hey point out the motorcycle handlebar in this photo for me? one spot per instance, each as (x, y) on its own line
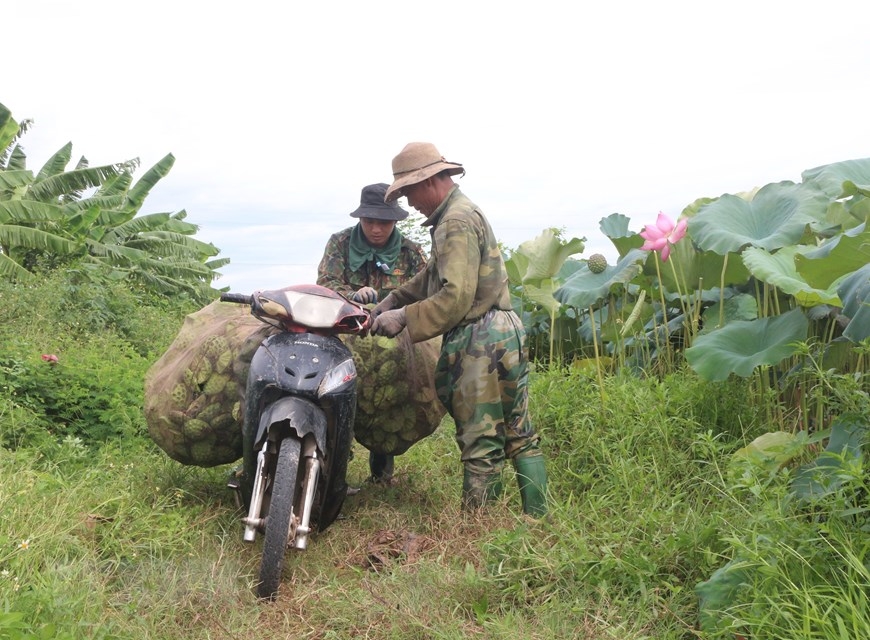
(239, 298)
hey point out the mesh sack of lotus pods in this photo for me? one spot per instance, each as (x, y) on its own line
(396, 401)
(194, 393)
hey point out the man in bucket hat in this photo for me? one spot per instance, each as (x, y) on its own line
(367, 261)
(462, 294)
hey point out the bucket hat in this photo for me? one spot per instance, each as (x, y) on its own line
(372, 204)
(416, 162)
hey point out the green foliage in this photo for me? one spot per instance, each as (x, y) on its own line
(776, 216)
(855, 294)
(649, 497)
(535, 270)
(799, 561)
(104, 339)
(742, 347)
(81, 395)
(413, 230)
(681, 505)
(87, 218)
(789, 248)
(92, 543)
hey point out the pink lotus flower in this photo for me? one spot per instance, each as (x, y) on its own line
(663, 234)
(49, 357)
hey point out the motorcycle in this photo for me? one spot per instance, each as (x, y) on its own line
(299, 409)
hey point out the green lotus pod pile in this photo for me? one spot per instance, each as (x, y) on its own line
(194, 393)
(396, 400)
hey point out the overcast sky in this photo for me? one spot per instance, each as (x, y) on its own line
(562, 112)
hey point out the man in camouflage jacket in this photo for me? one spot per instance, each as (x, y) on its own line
(462, 294)
(366, 262)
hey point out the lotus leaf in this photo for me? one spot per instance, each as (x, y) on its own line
(836, 257)
(776, 217)
(584, 288)
(854, 291)
(778, 269)
(739, 347)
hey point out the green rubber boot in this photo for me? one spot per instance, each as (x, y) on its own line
(532, 479)
(479, 488)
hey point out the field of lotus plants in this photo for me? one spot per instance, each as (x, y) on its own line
(772, 286)
(733, 285)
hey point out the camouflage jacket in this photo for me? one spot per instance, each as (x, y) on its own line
(334, 271)
(465, 276)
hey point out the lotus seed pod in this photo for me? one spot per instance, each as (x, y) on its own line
(203, 453)
(216, 345)
(233, 391)
(386, 397)
(388, 372)
(180, 395)
(201, 371)
(225, 455)
(215, 384)
(209, 412)
(597, 263)
(223, 421)
(223, 361)
(183, 340)
(199, 403)
(195, 429)
(408, 417)
(385, 343)
(189, 379)
(176, 417)
(390, 443)
(392, 425)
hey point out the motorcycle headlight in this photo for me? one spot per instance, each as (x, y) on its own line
(343, 374)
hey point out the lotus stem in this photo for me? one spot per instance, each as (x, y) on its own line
(664, 310)
(597, 356)
(722, 292)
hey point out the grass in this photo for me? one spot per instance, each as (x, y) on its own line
(106, 537)
(124, 542)
(130, 544)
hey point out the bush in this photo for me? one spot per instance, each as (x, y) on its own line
(103, 339)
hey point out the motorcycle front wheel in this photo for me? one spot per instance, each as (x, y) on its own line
(278, 520)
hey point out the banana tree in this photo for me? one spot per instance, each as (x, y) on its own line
(24, 225)
(91, 216)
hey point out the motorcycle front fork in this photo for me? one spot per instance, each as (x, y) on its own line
(255, 521)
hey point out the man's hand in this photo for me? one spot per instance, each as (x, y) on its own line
(386, 304)
(366, 295)
(389, 323)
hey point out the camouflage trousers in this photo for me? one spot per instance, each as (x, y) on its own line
(482, 378)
